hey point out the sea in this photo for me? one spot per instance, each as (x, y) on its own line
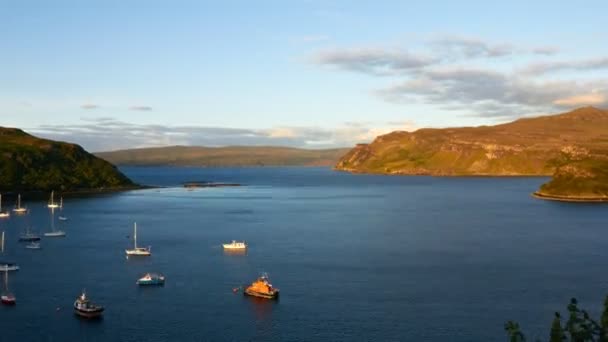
(356, 258)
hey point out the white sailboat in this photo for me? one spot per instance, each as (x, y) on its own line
(18, 209)
(138, 251)
(61, 217)
(52, 203)
(53, 232)
(3, 214)
(7, 297)
(6, 266)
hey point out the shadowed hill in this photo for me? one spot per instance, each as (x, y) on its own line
(28, 163)
(224, 156)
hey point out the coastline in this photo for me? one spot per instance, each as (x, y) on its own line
(573, 199)
(43, 194)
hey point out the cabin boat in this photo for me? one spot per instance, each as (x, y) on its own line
(151, 279)
(33, 245)
(84, 308)
(235, 245)
(3, 214)
(7, 298)
(19, 209)
(138, 251)
(262, 288)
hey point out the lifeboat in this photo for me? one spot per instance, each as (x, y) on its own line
(262, 288)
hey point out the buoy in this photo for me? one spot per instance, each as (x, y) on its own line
(236, 289)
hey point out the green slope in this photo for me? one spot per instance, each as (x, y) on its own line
(28, 163)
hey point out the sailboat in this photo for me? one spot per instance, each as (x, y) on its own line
(53, 232)
(3, 214)
(18, 209)
(7, 266)
(52, 203)
(7, 297)
(29, 236)
(138, 251)
(61, 217)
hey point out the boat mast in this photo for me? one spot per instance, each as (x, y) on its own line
(19, 201)
(135, 235)
(2, 241)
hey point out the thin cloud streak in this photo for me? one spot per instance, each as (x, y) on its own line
(140, 108)
(105, 134)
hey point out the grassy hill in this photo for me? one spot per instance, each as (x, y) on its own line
(533, 146)
(224, 156)
(28, 163)
(579, 180)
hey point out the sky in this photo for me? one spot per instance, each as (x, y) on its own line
(314, 74)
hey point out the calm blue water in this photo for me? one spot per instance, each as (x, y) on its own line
(357, 258)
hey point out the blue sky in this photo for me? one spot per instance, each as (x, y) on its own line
(118, 74)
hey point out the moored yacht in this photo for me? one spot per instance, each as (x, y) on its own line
(84, 308)
(29, 236)
(19, 209)
(7, 297)
(3, 214)
(151, 279)
(33, 245)
(6, 266)
(235, 245)
(138, 251)
(52, 203)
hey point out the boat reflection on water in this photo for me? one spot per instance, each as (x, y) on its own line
(261, 311)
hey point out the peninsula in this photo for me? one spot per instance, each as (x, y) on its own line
(31, 164)
(572, 145)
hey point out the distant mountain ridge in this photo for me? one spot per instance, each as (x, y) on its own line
(531, 146)
(28, 163)
(224, 156)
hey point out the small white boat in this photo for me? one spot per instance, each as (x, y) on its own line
(138, 251)
(62, 218)
(235, 245)
(52, 203)
(3, 214)
(18, 209)
(33, 245)
(55, 233)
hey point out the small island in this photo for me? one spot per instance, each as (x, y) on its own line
(205, 184)
(584, 180)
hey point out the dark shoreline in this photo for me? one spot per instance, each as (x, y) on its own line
(572, 199)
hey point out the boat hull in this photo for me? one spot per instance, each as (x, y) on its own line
(273, 295)
(150, 282)
(55, 234)
(6, 300)
(134, 253)
(29, 239)
(97, 313)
